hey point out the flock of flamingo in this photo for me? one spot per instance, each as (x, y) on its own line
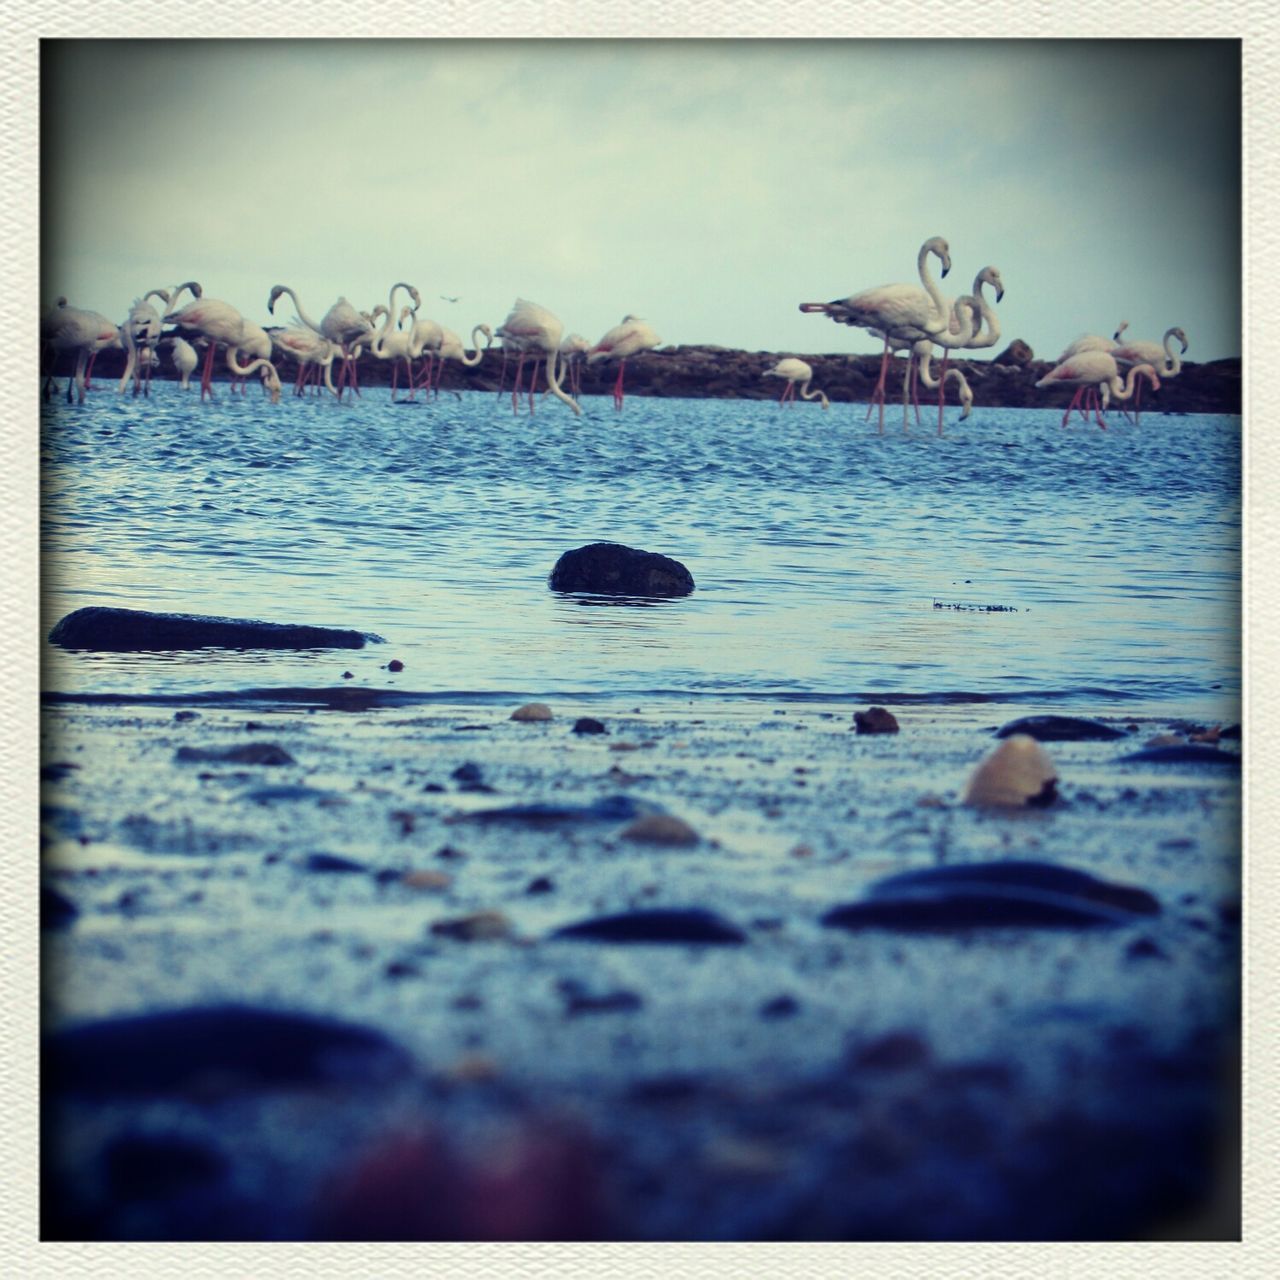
(910, 317)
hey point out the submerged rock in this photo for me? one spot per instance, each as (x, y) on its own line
(978, 895)
(1060, 729)
(610, 568)
(588, 724)
(138, 630)
(480, 926)
(332, 863)
(661, 828)
(658, 924)
(230, 1046)
(1018, 772)
(56, 910)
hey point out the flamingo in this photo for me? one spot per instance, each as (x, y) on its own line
(270, 378)
(795, 371)
(573, 351)
(1092, 370)
(964, 331)
(342, 324)
(141, 332)
(925, 367)
(906, 312)
(393, 344)
(629, 338)
(86, 333)
(309, 349)
(1168, 362)
(532, 329)
(1093, 342)
(219, 322)
(451, 348)
(184, 360)
(49, 322)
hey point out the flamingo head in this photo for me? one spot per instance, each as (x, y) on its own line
(966, 399)
(991, 276)
(1182, 338)
(276, 291)
(941, 250)
(271, 382)
(1120, 328)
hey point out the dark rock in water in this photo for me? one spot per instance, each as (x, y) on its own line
(875, 720)
(1060, 729)
(607, 809)
(222, 1046)
(1012, 893)
(780, 1007)
(658, 924)
(331, 862)
(578, 1000)
(56, 910)
(1232, 731)
(1185, 753)
(142, 1166)
(288, 794)
(138, 630)
(585, 724)
(251, 753)
(540, 884)
(609, 568)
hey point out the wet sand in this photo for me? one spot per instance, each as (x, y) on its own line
(807, 1083)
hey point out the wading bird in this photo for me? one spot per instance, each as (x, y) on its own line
(531, 329)
(1094, 370)
(218, 322)
(629, 338)
(1167, 362)
(904, 313)
(184, 360)
(795, 372)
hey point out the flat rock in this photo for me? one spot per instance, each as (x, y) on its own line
(1185, 753)
(332, 863)
(661, 828)
(658, 924)
(532, 712)
(114, 630)
(230, 1046)
(248, 753)
(616, 808)
(1060, 729)
(875, 720)
(978, 895)
(609, 568)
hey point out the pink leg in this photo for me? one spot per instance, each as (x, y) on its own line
(617, 386)
(206, 374)
(502, 372)
(533, 386)
(877, 396)
(439, 376)
(88, 373)
(1075, 400)
(1137, 404)
(942, 388)
(515, 390)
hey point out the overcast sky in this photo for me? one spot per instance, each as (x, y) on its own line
(707, 186)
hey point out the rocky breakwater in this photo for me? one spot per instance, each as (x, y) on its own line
(114, 630)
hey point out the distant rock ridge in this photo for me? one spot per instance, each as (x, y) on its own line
(707, 371)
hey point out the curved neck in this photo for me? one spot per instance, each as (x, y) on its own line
(302, 315)
(988, 318)
(1173, 359)
(472, 361)
(806, 394)
(931, 286)
(1119, 392)
(171, 298)
(554, 382)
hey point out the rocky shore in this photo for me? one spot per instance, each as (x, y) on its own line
(699, 371)
(336, 965)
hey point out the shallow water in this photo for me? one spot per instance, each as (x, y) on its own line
(821, 550)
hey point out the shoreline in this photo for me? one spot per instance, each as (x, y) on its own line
(808, 1084)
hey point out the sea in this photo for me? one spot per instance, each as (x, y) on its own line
(1010, 559)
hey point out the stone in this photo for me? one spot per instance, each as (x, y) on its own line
(1012, 893)
(585, 724)
(658, 924)
(1187, 753)
(875, 720)
(610, 568)
(481, 926)
(1017, 353)
(332, 863)
(56, 910)
(661, 828)
(1017, 773)
(266, 753)
(232, 1046)
(532, 712)
(106, 629)
(1060, 729)
(615, 808)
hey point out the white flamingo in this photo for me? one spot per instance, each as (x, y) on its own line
(924, 363)
(451, 348)
(86, 333)
(1167, 362)
(1093, 342)
(311, 351)
(533, 330)
(1093, 370)
(629, 338)
(140, 333)
(905, 312)
(184, 360)
(573, 354)
(267, 371)
(394, 344)
(797, 374)
(218, 322)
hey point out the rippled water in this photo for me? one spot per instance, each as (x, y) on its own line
(820, 548)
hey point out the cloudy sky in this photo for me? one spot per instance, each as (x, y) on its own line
(708, 186)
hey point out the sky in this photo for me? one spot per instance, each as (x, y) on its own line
(709, 187)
